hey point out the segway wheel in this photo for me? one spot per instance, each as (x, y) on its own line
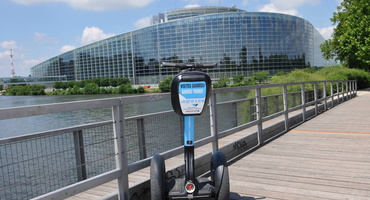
(220, 176)
(157, 178)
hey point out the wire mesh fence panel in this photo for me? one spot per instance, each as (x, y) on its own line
(227, 116)
(99, 150)
(32, 167)
(35, 166)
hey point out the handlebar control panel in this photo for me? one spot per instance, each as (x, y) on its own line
(190, 89)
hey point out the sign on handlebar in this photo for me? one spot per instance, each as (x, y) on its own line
(190, 89)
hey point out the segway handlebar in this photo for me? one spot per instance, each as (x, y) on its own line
(188, 65)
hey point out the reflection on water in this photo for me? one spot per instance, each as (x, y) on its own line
(35, 124)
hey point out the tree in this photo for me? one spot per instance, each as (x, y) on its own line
(238, 78)
(261, 76)
(351, 37)
(221, 83)
(165, 85)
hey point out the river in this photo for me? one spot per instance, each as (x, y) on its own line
(35, 124)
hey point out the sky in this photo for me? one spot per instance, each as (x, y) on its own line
(37, 30)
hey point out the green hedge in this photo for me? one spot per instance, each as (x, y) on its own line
(23, 90)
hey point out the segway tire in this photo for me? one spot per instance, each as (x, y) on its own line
(157, 178)
(220, 176)
(224, 192)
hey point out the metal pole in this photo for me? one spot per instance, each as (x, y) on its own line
(286, 107)
(303, 96)
(338, 93)
(213, 122)
(342, 91)
(141, 138)
(259, 115)
(332, 94)
(324, 94)
(315, 95)
(121, 151)
(80, 155)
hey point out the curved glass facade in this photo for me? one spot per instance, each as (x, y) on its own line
(240, 42)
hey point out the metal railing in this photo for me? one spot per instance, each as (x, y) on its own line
(56, 164)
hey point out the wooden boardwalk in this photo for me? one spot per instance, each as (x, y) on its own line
(328, 157)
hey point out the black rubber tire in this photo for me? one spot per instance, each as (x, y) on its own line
(157, 178)
(224, 192)
(220, 176)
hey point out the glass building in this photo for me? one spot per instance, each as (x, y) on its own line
(240, 42)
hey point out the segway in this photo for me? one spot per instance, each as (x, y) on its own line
(190, 91)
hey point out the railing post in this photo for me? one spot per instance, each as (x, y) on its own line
(213, 122)
(346, 90)
(338, 93)
(332, 94)
(286, 107)
(121, 151)
(80, 155)
(303, 96)
(259, 115)
(324, 95)
(342, 91)
(141, 138)
(315, 96)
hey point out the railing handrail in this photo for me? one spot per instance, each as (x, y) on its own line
(17, 112)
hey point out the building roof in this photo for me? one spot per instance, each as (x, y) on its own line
(196, 11)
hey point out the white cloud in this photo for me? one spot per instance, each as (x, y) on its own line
(93, 34)
(21, 66)
(292, 4)
(33, 62)
(326, 32)
(97, 5)
(66, 48)
(245, 2)
(192, 6)
(271, 8)
(9, 45)
(43, 38)
(5, 54)
(143, 22)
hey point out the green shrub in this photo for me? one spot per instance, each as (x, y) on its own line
(165, 85)
(141, 90)
(343, 73)
(22, 90)
(238, 79)
(221, 83)
(91, 88)
(74, 90)
(261, 76)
